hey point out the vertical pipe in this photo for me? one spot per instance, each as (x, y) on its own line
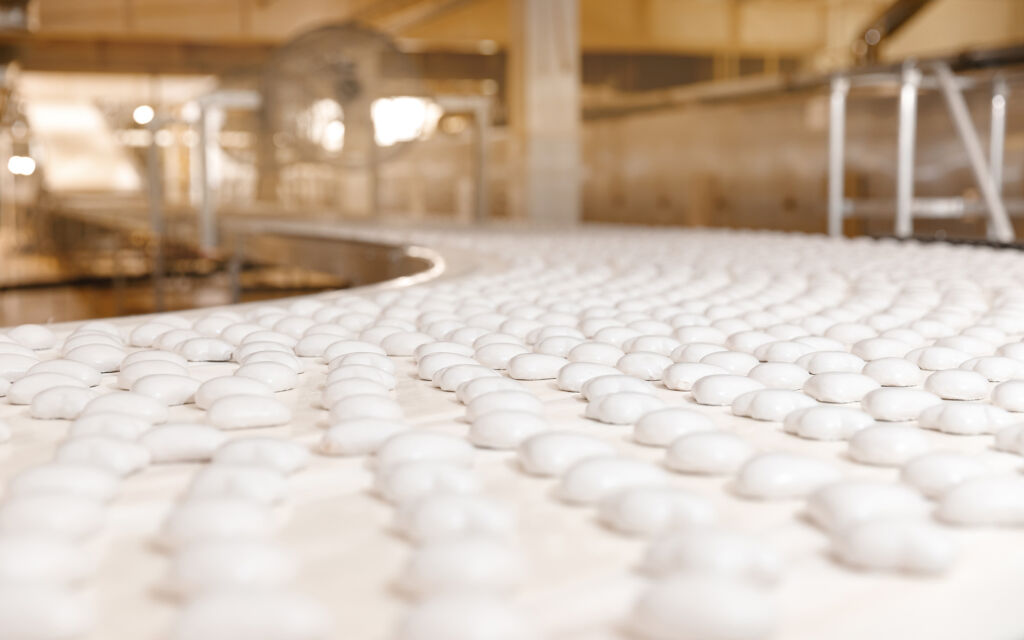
(482, 116)
(154, 177)
(836, 143)
(8, 207)
(999, 226)
(905, 152)
(374, 172)
(235, 268)
(997, 132)
(206, 190)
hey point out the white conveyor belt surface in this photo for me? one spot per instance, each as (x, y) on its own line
(673, 297)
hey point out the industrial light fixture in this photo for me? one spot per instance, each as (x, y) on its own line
(403, 118)
(21, 165)
(143, 114)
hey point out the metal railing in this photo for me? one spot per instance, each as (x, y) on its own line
(911, 78)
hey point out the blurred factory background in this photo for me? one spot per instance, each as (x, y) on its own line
(154, 148)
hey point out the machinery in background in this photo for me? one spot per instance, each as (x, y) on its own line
(987, 169)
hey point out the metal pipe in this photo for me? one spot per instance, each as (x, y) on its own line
(997, 132)
(758, 87)
(235, 268)
(482, 117)
(211, 118)
(207, 237)
(888, 22)
(155, 193)
(999, 227)
(836, 152)
(905, 152)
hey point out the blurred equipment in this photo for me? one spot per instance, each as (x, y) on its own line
(342, 94)
(888, 22)
(911, 77)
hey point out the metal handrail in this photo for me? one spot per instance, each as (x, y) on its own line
(769, 86)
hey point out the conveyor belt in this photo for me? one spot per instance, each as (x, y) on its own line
(582, 577)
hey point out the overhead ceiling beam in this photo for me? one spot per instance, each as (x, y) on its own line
(131, 55)
(394, 16)
(889, 21)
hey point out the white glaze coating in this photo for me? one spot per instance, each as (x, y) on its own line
(893, 372)
(780, 476)
(360, 436)
(933, 474)
(182, 442)
(683, 375)
(912, 545)
(207, 518)
(695, 607)
(424, 445)
(771, 405)
(661, 427)
(473, 564)
(465, 616)
(240, 565)
(713, 550)
(44, 611)
(593, 479)
(409, 481)
(888, 445)
(505, 429)
(961, 418)
(622, 407)
(653, 510)
(826, 422)
(259, 484)
(953, 384)
(116, 455)
(722, 389)
(246, 614)
(840, 387)
(247, 412)
(553, 453)
(281, 455)
(984, 501)
(836, 507)
(74, 479)
(1007, 395)
(708, 453)
(897, 404)
(130, 403)
(445, 515)
(60, 403)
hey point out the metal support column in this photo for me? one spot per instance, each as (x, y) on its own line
(997, 132)
(235, 264)
(207, 220)
(905, 152)
(211, 118)
(482, 119)
(155, 192)
(836, 151)
(544, 111)
(999, 227)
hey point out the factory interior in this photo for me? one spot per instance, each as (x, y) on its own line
(149, 125)
(729, 295)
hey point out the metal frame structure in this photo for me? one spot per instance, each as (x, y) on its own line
(988, 171)
(480, 108)
(206, 202)
(211, 107)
